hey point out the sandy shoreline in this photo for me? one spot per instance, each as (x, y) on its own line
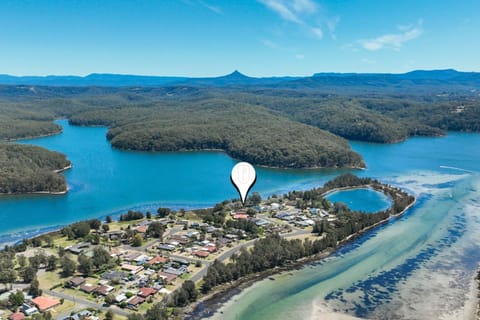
(213, 302)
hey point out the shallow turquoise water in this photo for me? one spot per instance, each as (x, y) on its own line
(366, 200)
(419, 266)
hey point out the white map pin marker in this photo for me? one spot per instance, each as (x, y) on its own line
(243, 177)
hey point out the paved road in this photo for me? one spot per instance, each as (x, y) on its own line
(86, 303)
(227, 254)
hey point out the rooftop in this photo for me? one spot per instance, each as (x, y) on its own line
(44, 303)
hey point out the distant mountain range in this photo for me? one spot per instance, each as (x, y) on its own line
(235, 79)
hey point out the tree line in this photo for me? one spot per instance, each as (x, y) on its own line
(26, 168)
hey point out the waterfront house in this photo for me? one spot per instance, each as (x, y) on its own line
(78, 248)
(141, 229)
(240, 216)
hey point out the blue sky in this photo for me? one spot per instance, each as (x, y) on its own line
(259, 38)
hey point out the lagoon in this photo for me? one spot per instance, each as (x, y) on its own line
(364, 199)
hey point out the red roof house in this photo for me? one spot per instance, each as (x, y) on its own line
(16, 316)
(146, 292)
(45, 303)
(211, 249)
(201, 254)
(157, 260)
(241, 216)
(142, 229)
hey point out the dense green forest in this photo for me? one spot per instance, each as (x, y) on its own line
(25, 168)
(298, 124)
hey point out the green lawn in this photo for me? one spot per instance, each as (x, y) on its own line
(63, 308)
(49, 279)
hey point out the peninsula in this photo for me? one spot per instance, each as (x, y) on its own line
(31, 169)
(151, 266)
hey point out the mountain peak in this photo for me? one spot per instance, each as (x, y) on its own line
(236, 74)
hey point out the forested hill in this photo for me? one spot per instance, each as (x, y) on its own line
(279, 122)
(29, 169)
(245, 132)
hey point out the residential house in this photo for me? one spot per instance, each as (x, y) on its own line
(84, 314)
(167, 278)
(104, 290)
(240, 216)
(78, 248)
(141, 229)
(146, 292)
(131, 256)
(75, 282)
(88, 287)
(167, 247)
(180, 261)
(131, 268)
(157, 260)
(121, 297)
(201, 254)
(114, 275)
(16, 316)
(45, 303)
(133, 302)
(28, 310)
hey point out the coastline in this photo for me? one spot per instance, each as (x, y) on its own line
(211, 303)
(44, 192)
(34, 137)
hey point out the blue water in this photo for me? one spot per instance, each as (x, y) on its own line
(418, 266)
(366, 200)
(105, 181)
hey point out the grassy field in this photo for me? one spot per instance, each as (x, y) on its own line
(49, 279)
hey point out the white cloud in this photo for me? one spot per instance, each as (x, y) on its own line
(332, 25)
(304, 13)
(393, 40)
(210, 7)
(305, 6)
(299, 56)
(317, 32)
(283, 10)
(291, 10)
